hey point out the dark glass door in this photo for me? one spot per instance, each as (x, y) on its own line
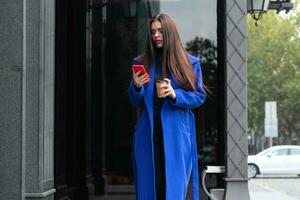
(118, 32)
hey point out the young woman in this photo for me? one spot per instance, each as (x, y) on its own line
(164, 147)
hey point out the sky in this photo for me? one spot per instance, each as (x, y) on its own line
(295, 9)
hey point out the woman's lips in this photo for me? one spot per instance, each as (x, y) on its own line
(157, 41)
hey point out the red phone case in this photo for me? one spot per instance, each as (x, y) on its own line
(137, 68)
(141, 68)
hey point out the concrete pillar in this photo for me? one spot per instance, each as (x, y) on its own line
(236, 100)
(27, 99)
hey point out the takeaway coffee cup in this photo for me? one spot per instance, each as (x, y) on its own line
(159, 85)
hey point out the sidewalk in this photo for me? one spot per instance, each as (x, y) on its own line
(115, 197)
(259, 192)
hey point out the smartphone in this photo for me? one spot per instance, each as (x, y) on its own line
(137, 68)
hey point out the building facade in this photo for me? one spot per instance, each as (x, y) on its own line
(66, 123)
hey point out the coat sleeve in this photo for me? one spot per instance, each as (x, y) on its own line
(191, 99)
(135, 97)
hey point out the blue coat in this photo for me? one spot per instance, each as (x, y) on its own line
(179, 138)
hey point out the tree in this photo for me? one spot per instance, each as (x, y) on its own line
(274, 71)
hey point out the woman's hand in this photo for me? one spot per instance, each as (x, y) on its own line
(168, 90)
(139, 80)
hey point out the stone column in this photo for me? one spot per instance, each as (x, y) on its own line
(236, 100)
(12, 90)
(27, 99)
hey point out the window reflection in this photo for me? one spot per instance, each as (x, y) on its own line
(124, 29)
(193, 18)
(197, 25)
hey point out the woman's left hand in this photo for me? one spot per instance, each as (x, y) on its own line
(168, 90)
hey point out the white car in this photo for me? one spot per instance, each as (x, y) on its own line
(281, 159)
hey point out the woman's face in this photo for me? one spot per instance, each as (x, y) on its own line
(157, 34)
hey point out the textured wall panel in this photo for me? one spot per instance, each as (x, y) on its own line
(236, 89)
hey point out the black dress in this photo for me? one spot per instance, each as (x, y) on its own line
(159, 157)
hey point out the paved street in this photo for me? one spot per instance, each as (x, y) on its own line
(275, 188)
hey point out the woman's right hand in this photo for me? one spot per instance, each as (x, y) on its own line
(139, 80)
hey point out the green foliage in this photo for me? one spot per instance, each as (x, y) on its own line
(274, 71)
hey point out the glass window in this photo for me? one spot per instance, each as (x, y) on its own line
(120, 37)
(295, 152)
(193, 18)
(196, 22)
(280, 152)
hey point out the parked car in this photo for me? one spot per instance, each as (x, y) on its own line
(281, 159)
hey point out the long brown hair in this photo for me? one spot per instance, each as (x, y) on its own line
(174, 58)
